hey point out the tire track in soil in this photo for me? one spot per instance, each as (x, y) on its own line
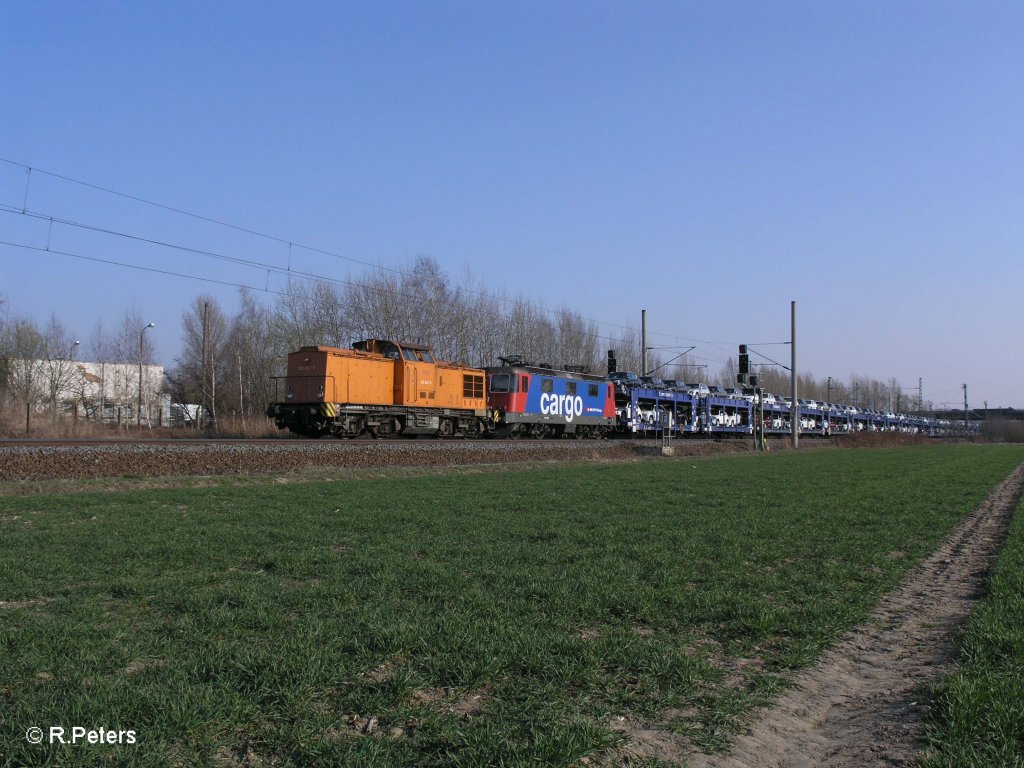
(858, 706)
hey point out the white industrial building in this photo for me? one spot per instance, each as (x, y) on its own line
(94, 391)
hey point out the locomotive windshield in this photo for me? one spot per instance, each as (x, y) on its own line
(418, 355)
(503, 382)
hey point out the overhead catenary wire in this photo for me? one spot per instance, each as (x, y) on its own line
(183, 212)
(773, 362)
(283, 241)
(138, 267)
(262, 266)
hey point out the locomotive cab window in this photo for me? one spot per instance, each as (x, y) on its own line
(592, 390)
(410, 354)
(526, 383)
(503, 382)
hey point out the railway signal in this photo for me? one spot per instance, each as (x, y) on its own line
(745, 377)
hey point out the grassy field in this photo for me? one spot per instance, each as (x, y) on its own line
(453, 619)
(977, 718)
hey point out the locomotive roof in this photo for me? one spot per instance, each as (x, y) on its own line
(545, 372)
(403, 344)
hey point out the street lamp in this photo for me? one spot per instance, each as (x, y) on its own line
(138, 412)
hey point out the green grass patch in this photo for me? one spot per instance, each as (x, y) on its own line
(464, 619)
(977, 715)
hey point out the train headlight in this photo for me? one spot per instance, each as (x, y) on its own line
(290, 394)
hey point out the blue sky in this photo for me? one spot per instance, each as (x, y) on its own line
(709, 162)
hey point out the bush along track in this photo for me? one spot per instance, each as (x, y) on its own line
(863, 703)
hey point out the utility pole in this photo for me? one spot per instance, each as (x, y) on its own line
(830, 389)
(794, 406)
(138, 410)
(920, 397)
(967, 414)
(203, 390)
(643, 342)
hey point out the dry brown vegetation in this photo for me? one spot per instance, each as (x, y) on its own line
(1003, 431)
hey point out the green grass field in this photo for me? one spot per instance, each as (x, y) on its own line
(977, 716)
(452, 619)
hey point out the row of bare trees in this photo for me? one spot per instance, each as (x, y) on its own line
(461, 321)
(229, 363)
(35, 364)
(861, 391)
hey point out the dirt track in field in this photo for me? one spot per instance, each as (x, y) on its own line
(858, 706)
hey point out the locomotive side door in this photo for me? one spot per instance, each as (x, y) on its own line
(416, 377)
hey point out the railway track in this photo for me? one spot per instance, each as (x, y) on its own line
(270, 441)
(33, 460)
(29, 460)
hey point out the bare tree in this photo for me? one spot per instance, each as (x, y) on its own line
(727, 374)
(577, 340)
(123, 343)
(255, 353)
(59, 353)
(203, 361)
(101, 344)
(314, 313)
(23, 355)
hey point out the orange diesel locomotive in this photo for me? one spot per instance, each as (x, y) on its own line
(379, 388)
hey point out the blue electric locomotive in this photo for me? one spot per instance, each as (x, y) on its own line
(534, 401)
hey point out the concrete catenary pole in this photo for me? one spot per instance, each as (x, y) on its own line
(643, 342)
(794, 406)
(138, 410)
(967, 414)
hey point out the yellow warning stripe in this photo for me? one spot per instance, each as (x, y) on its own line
(329, 409)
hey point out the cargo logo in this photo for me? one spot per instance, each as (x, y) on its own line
(561, 405)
